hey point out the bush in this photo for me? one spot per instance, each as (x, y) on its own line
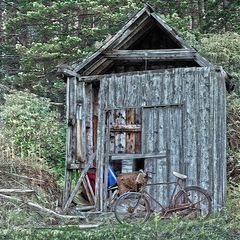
(223, 50)
(32, 127)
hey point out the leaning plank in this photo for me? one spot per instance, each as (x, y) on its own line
(87, 191)
(11, 191)
(37, 207)
(90, 188)
(75, 190)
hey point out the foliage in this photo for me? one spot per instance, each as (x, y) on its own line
(31, 126)
(47, 34)
(223, 49)
(233, 137)
(220, 18)
(40, 35)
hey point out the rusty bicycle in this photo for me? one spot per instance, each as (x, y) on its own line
(186, 201)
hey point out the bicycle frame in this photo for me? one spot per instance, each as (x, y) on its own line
(168, 208)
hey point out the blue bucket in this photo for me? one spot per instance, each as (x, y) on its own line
(112, 179)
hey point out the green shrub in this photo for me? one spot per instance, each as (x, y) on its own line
(223, 50)
(32, 127)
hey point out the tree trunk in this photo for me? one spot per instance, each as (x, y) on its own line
(225, 5)
(194, 15)
(226, 10)
(1, 22)
(201, 12)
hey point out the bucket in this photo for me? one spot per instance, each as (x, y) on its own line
(112, 179)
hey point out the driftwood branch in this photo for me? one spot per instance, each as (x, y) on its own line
(10, 191)
(37, 207)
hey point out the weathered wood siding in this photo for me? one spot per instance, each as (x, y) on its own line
(76, 130)
(183, 113)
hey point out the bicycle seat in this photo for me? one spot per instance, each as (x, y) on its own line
(179, 175)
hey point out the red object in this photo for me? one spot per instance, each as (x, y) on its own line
(92, 179)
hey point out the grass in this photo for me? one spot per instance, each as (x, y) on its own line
(215, 229)
(20, 223)
(222, 226)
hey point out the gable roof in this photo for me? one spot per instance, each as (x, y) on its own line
(105, 54)
(133, 29)
(134, 26)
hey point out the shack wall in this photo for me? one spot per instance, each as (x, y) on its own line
(185, 115)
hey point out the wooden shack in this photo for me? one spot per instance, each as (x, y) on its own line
(146, 100)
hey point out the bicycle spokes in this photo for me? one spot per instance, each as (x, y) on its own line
(132, 208)
(198, 202)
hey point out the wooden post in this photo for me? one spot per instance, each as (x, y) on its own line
(68, 172)
(76, 131)
(106, 161)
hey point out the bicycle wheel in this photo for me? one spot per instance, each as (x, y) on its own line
(193, 202)
(132, 208)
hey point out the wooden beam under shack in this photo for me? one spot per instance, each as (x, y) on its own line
(137, 156)
(126, 128)
(160, 55)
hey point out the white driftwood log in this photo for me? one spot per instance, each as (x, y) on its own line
(12, 191)
(37, 207)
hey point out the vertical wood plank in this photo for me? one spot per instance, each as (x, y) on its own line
(161, 168)
(190, 147)
(68, 173)
(106, 159)
(100, 147)
(89, 121)
(203, 129)
(81, 143)
(222, 114)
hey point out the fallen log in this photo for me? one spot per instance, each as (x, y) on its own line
(12, 191)
(37, 207)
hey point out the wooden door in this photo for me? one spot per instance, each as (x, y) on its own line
(162, 131)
